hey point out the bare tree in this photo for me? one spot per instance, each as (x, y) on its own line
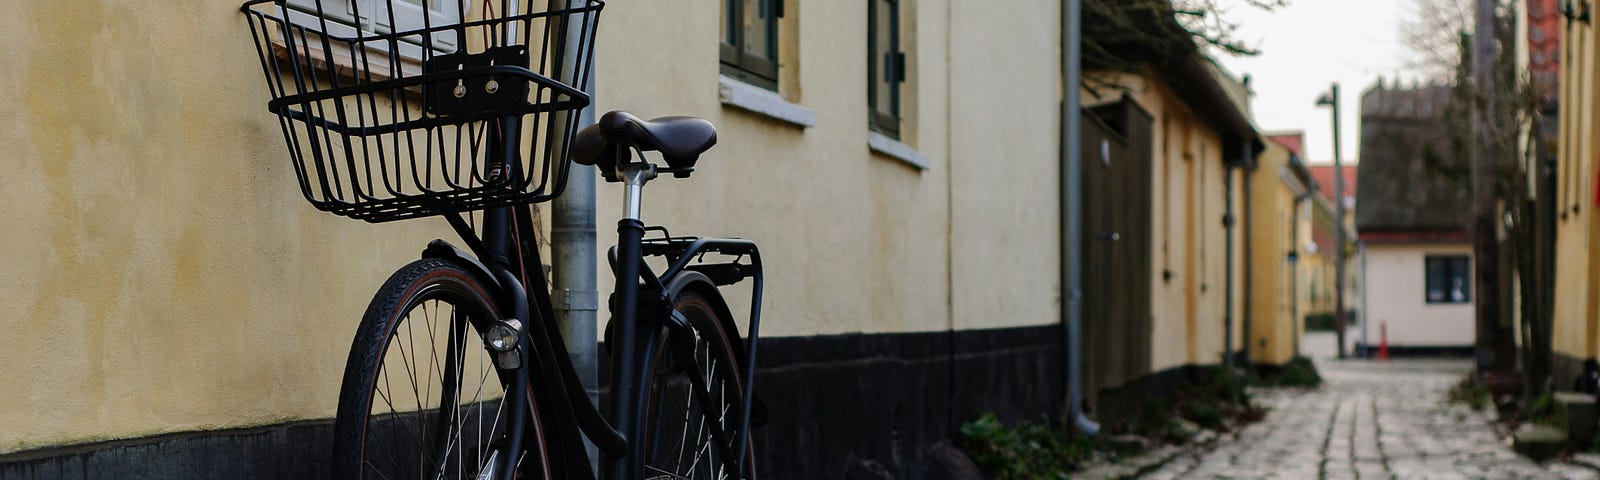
(1433, 32)
(1129, 35)
(1207, 21)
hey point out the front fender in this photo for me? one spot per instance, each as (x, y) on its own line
(443, 250)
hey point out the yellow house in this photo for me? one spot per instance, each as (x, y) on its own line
(1576, 315)
(1280, 190)
(176, 304)
(1419, 258)
(1321, 271)
(1188, 313)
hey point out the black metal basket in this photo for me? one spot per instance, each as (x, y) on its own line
(396, 109)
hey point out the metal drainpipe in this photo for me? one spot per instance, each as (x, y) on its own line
(1249, 276)
(573, 255)
(1366, 345)
(1227, 283)
(1294, 275)
(1071, 213)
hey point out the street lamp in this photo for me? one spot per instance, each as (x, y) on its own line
(1331, 100)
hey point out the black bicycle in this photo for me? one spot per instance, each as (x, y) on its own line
(399, 109)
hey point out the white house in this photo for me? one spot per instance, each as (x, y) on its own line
(1411, 218)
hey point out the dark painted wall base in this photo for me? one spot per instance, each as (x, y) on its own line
(836, 401)
(889, 399)
(1566, 371)
(1416, 351)
(1129, 400)
(296, 450)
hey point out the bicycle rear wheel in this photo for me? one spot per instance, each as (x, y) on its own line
(694, 404)
(421, 396)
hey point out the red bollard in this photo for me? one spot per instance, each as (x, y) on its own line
(1383, 341)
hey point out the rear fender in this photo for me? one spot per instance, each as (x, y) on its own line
(699, 283)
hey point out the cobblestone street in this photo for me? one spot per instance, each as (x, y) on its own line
(1371, 420)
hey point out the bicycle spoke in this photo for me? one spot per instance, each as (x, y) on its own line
(432, 358)
(392, 412)
(378, 439)
(683, 439)
(673, 475)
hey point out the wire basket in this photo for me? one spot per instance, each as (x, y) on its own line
(397, 109)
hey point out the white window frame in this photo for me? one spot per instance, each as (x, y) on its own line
(340, 16)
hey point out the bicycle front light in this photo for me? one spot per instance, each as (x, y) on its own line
(502, 335)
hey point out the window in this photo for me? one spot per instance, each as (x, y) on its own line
(1449, 279)
(364, 18)
(886, 66)
(750, 41)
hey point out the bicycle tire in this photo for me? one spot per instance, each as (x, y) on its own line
(370, 428)
(669, 386)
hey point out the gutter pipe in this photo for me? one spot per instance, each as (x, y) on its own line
(1230, 223)
(1294, 277)
(1366, 345)
(1227, 283)
(1071, 213)
(1248, 250)
(572, 248)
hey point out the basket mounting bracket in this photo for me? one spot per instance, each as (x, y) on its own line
(479, 93)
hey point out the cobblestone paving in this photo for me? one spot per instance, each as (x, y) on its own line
(1369, 421)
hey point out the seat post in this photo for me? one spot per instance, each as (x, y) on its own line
(635, 175)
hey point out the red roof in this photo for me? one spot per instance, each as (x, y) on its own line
(1291, 141)
(1323, 175)
(1544, 42)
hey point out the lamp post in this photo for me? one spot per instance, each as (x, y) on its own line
(1331, 100)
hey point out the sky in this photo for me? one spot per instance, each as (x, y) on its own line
(1309, 45)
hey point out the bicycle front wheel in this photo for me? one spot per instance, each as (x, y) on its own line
(422, 398)
(694, 401)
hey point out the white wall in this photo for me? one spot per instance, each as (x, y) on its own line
(1395, 296)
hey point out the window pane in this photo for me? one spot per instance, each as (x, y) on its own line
(728, 28)
(882, 56)
(1436, 279)
(758, 28)
(1460, 280)
(1449, 279)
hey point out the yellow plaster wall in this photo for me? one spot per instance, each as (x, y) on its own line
(1271, 232)
(164, 273)
(857, 241)
(1005, 162)
(1187, 309)
(168, 276)
(1575, 328)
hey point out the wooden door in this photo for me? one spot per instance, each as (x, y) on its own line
(1117, 198)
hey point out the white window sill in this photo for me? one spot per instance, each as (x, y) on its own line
(892, 148)
(761, 101)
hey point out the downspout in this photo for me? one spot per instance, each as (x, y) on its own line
(1228, 268)
(1249, 273)
(572, 248)
(1227, 282)
(1294, 276)
(1366, 316)
(1071, 214)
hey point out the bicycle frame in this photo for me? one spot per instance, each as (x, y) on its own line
(546, 373)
